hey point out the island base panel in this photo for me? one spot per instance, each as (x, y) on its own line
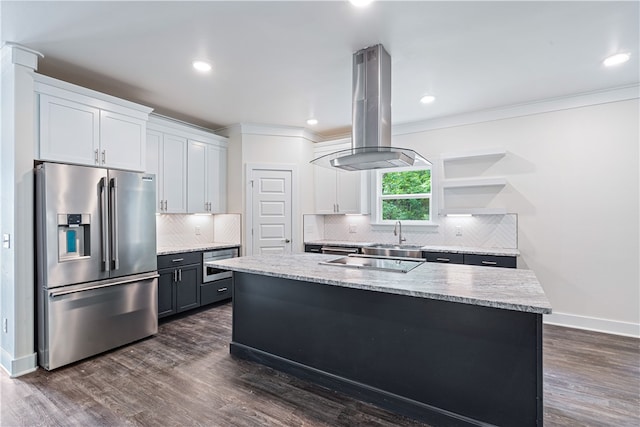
(442, 362)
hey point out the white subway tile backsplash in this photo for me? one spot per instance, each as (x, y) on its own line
(482, 231)
(176, 230)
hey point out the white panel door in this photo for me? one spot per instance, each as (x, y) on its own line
(271, 211)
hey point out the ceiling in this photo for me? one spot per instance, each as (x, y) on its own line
(280, 63)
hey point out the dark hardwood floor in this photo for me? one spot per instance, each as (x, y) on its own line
(184, 376)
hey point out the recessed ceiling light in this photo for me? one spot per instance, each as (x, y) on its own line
(312, 122)
(427, 99)
(618, 58)
(360, 3)
(202, 66)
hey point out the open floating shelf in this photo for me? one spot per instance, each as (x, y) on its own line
(478, 154)
(474, 211)
(473, 182)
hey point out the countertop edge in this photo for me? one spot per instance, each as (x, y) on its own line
(170, 250)
(427, 248)
(429, 295)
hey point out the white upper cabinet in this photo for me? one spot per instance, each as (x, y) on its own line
(337, 191)
(78, 125)
(190, 165)
(166, 157)
(122, 141)
(207, 178)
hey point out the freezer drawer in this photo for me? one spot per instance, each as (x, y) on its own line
(79, 321)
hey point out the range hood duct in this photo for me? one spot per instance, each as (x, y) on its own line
(371, 133)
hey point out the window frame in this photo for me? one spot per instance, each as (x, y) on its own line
(378, 197)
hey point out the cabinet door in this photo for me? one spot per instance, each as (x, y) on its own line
(69, 131)
(166, 299)
(217, 179)
(122, 141)
(325, 190)
(197, 201)
(153, 163)
(188, 288)
(174, 171)
(352, 193)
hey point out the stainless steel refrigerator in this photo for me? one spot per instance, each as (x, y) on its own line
(96, 261)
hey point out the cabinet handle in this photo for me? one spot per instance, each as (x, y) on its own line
(104, 156)
(96, 156)
(443, 259)
(177, 260)
(180, 275)
(175, 276)
(337, 207)
(222, 290)
(489, 262)
(166, 205)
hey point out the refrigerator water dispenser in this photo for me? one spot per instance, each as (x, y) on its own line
(74, 231)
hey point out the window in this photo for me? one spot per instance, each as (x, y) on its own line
(404, 195)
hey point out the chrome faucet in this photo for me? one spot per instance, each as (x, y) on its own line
(395, 232)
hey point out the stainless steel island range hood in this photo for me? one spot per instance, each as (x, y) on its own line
(371, 135)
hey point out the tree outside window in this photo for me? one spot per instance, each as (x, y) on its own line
(405, 195)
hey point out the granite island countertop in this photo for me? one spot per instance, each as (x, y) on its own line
(175, 249)
(429, 248)
(504, 288)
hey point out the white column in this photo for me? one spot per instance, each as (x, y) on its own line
(17, 152)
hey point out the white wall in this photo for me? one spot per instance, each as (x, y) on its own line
(17, 355)
(573, 180)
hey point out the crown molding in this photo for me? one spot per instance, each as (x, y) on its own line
(270, 130)
(621, 93)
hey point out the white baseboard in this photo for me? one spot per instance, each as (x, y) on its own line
(20, 366)
(615, 327)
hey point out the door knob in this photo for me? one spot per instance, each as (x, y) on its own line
(287, 241)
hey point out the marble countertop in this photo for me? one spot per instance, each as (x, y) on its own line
(504, 288)
(175, 249)
(430, 248)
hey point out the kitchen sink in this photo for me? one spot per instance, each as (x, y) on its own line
(406, 251)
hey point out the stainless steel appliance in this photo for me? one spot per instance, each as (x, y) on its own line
(340, 250)
(369, 262)
(210, 273)
(96, 261)
(371, 130)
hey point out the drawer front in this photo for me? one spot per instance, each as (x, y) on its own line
(176, 260)
(490, 260)
(216, 291)
(317, 249)
(443, 257)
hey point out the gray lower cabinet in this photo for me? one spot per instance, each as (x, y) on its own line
(216, 291)
(471, 259)
(490, 260)
(179, 282)
(443, 257)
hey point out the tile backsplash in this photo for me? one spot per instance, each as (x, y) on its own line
(176, 230)
(484, 231)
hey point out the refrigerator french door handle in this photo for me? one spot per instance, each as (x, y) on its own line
(114, 224)
(104, 225)
(56, 294)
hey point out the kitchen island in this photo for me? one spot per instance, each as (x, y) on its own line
(446, 344)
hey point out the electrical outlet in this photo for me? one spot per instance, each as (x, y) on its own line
(197, 230)
(458, 230)
(353, 228)
(5, 327)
